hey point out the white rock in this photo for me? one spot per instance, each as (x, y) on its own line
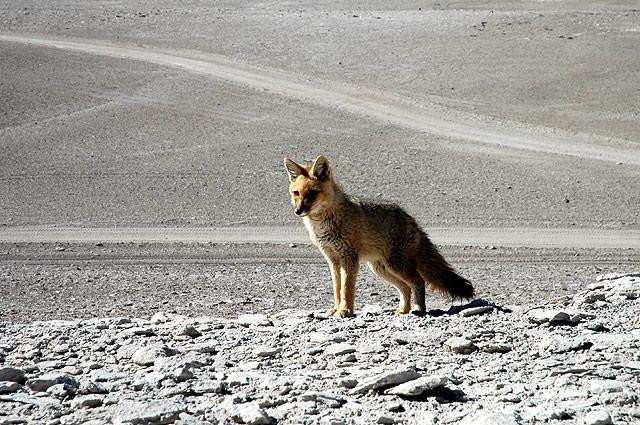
(484, 417)
(86, 401)
(146, 356)
(58, 390)
(627, 286)
(474, 311)
(418, 386)
(146, 412)
(394, 377)
(250, 414)
(598, 386)
(254, 320)
(159, 317)
(460, 345)
(10, 420)
(598, 417)
(615, 276)
(208, 386)
(339, 349)
(427, 418)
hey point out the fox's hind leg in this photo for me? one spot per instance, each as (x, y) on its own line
(405, 269)
(413, 278)
(382, 271)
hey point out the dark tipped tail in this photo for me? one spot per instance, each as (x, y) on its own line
(440, 276)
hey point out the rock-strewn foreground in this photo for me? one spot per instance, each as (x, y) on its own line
(577, 360)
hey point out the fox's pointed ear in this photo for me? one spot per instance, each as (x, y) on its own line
(294, 169)
(321, 168)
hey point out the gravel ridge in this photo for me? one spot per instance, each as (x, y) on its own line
(576, 360)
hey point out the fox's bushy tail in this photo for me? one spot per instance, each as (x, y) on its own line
(439, 275)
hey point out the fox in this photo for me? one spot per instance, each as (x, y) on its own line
(348, 231)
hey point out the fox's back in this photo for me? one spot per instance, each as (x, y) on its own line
(371, 229)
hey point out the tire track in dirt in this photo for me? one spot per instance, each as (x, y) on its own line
(384, 107)
(447, 236)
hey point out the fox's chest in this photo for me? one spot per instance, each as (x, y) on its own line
(326, 234)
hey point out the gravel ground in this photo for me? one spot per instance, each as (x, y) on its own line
(573, 361)
(74, 281)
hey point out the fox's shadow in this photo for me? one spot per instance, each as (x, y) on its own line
(455, 309)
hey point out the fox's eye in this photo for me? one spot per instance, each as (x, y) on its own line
(296, 193)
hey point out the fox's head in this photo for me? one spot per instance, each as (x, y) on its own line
(312, 187)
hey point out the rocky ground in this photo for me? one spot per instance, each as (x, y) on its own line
(574, 361)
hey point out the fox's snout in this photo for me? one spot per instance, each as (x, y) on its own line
(299, 211)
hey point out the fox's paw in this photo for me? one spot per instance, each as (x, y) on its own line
(332, 311)
(419, 312)
(402, 310)
(344, 312)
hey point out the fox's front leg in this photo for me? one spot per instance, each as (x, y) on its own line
(349, 267)
(334, 265)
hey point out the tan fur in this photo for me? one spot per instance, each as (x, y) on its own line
(349, 232)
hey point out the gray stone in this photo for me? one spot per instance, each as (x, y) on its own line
(331, 400)
(561, 318)
(146, 412)
(207, 347)
(598, 417)
(187, 419)
(11, 374)
(58, 390)
(418, 386)
(495, 348)
(348, 383)
(42, 402)
(8, 387)
(206, 386)
(90, 387)
(86, 401)
(460, 345)
(146, 356)
(190, 331)
(43, 382)
(267, 351)
(385, 379)
(565, 346)
(383, 419)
